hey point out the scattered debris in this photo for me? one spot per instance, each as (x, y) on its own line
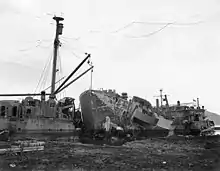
(148, 154)
(22, 146)
(12, 165)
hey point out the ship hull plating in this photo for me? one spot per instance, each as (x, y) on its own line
(94, 111)
(95, 108)
(37, 126)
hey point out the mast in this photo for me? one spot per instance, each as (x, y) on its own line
(59, 28)
(161, 97)
(91, 80)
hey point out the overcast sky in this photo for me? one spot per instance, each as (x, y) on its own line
(181, 58)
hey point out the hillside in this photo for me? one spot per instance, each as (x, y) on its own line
(213, 116)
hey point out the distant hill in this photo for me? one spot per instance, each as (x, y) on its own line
(213, 116)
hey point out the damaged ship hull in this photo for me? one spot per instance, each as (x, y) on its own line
(96, 105)
(94, 110)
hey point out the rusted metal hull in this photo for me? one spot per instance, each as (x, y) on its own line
(37, 126)
(96, 105)
(32, 116)
(94, 111)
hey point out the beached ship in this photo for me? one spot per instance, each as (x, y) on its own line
(188, 118)
(96, 105)
(135, 113)
(138, 113)
(47, 114)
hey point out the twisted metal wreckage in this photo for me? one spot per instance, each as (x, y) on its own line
(116, 112)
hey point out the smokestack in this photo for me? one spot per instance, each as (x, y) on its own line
(157, 103)
(178, 103)
(43, 94)
(198, 102)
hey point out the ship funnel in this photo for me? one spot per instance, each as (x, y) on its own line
(198, 102)
(178, 103)
(157, 103)
(43, 94)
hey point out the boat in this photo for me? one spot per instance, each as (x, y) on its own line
(138, 114)
(187, 118)
(96, 105)
(135, 113)
(47, 114)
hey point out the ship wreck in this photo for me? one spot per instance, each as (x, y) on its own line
(46, 115)
(139, 114)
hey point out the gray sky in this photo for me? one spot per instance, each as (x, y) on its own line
(181, 58)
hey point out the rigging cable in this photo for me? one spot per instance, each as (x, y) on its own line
(67, 42)
(44, 81)
(60, 74)
(71, 38)
(154, 23)
(133, 23)
(73, 53)
(42, 74)
(150, 34)
(38, 44)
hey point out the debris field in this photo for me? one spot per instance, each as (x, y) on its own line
(171, 154)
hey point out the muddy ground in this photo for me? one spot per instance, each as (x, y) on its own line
(151, 154)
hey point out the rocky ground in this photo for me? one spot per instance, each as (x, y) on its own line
(151, 154)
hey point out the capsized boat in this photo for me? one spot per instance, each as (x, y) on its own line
(47, 114)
